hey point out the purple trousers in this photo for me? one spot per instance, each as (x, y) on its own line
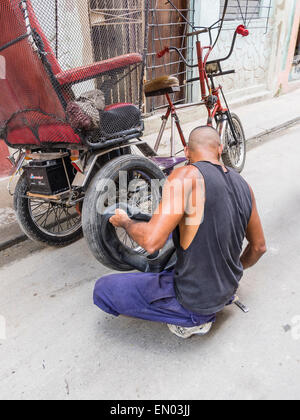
(145, 296)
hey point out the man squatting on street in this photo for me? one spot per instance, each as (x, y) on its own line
(210, 216)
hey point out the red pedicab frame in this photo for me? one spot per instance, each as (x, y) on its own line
(30, 126)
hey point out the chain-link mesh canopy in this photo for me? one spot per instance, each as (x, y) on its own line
(71, 71)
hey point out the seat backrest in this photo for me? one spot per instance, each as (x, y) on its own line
(36, 26)
(27, 95)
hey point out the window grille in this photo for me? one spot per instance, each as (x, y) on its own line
(167, 28)
(118, 28)
(237, 10)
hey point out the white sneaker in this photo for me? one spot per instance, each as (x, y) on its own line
(235, 299)
(189, 332)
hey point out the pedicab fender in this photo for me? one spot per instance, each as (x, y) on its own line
(82, 179)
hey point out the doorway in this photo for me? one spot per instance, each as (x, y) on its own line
(295, 73)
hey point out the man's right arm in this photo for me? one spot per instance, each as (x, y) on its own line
(255, 236)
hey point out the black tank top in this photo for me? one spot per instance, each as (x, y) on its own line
(207, 274)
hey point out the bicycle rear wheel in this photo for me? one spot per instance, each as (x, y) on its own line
(51, 223)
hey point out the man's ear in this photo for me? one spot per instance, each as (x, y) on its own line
(221, 149)
(187, 152)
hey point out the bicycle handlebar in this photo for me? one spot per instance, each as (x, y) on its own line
(223, 73)
(240, 30)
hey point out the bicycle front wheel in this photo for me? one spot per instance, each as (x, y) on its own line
(234, 156)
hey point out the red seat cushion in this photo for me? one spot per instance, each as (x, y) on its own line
(116, 106)
(63, 134)
(80, 74)
(119, 118)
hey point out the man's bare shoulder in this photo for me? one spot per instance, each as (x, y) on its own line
(185, 172)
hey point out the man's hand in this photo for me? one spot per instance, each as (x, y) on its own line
(121, 219)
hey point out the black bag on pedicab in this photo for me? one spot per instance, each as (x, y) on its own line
(120, 117)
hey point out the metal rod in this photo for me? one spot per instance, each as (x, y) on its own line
(56, 28)
(173, 125)
(181, 14)
(67, 175)
(161, 132)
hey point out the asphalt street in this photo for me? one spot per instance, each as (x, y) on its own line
(59, 346)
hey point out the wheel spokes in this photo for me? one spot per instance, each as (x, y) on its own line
(138, 196)
(54, 218)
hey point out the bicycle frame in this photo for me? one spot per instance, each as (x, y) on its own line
(210, 94)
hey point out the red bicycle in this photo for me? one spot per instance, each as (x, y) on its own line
(212, 95)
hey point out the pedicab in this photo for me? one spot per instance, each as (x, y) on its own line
(73, 134)
(77, 128)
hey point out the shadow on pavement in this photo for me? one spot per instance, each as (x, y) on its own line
(19, 251)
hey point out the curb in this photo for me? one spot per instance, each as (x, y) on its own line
(13, 236)
(252, 142)
(259, 138)
(15, 241)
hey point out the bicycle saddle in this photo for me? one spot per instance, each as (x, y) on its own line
(161, 86)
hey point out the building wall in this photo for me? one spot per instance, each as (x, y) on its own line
(250, 60)
(259, 59)
(291, 39)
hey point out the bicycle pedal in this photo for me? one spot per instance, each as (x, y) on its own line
(243, 307)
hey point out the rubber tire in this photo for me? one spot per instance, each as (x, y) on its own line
(29, 227)
(91, 219)
(226, 157)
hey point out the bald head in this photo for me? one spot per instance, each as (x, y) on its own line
(204, 139)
